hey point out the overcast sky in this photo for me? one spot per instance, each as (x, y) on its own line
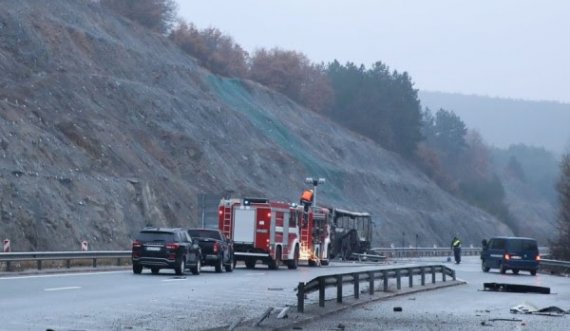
(502, 48)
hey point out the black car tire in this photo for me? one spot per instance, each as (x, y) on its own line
(250, 263)
(180, 266)
(533, 272)
(230, 265)
(196, 270)
(219, 264)
(502, 269)
(484, 267)
(137, 268)
(155, 270)
(516, 271)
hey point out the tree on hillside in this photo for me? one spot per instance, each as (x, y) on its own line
(292, 74)
(157, 15)
(213, 50)
(377, 103)
(449, 133)
(561, 247)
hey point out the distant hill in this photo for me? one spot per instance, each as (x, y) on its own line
(503, 122)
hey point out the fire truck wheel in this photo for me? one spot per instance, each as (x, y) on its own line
(274, 263)
(292, 264)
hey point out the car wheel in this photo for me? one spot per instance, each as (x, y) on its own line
(274, 263)
(533, 272)
(230, 265)
(250, 263)
(180, 266)
(484, 267)
(137, 268)
(516, 271)
(502, 269)
(196, 270)
(154, 270)
(219, 264)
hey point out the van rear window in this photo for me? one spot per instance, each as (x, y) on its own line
(523, 245)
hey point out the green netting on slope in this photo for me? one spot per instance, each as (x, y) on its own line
(235, 95)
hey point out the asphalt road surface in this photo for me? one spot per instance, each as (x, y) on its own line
(119, 300)
(463, 307)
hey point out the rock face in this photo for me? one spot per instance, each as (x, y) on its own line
(106, 127)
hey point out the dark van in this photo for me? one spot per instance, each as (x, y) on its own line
(510, 253)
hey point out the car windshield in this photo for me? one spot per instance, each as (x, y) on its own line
(204, 234)
(156, 236)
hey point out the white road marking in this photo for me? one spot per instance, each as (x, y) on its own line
(62, 288)
(173, 279)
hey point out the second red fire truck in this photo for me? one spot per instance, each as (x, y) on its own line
(275, 232)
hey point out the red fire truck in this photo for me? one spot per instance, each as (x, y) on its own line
(274, 232)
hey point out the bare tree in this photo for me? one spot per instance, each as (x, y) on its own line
(561, 247)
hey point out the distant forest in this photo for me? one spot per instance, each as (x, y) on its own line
(376, 102)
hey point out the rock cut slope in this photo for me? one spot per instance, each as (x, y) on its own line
(106, 127)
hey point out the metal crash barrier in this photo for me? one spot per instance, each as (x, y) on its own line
(38, 257)
(370, 276)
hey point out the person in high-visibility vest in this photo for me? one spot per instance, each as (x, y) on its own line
(307, 199)
(456, 247)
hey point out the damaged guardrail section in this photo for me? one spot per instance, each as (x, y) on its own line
(370, 276)
(555, 267)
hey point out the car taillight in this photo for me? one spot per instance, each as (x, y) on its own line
(216, 247)
(172, 246)
(538, 257)
(507, 257)
(136, 244)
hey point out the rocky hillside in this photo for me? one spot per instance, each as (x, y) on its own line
(106, 127)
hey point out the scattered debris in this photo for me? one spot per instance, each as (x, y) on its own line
(397, 308)
(340, 326)
(235, 324)
(275, 289)
(526, 308)
(505, 319)
(504, 287)
(263, 316)
(283, 313)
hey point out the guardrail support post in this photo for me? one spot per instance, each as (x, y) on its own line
(433, 274)
(423, 272)
(371, 283)
(443, 273)
(39, 263)
(398, 280)
(410, 278)
(385, 280)
(321, 292)
(453, 274)
(118, 261)
(339, 288)
(356, 280)
(68, 264)
(94, 263)
(8, 266)
(301, 297)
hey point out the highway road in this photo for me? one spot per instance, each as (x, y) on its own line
(119, 300)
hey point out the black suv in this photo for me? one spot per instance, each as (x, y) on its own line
(158, 248)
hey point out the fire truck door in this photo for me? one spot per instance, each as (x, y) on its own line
(244, 225)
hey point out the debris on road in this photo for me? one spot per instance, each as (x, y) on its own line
(504, 287)
(397, 308)
(526, 308)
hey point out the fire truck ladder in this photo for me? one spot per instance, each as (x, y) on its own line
(227, 222)
(305, 235)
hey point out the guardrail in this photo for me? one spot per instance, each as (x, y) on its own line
(39, 257)
(338, 280)
(555, 267)
(399, 252)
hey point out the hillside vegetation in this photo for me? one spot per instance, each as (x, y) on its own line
(106, 127)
